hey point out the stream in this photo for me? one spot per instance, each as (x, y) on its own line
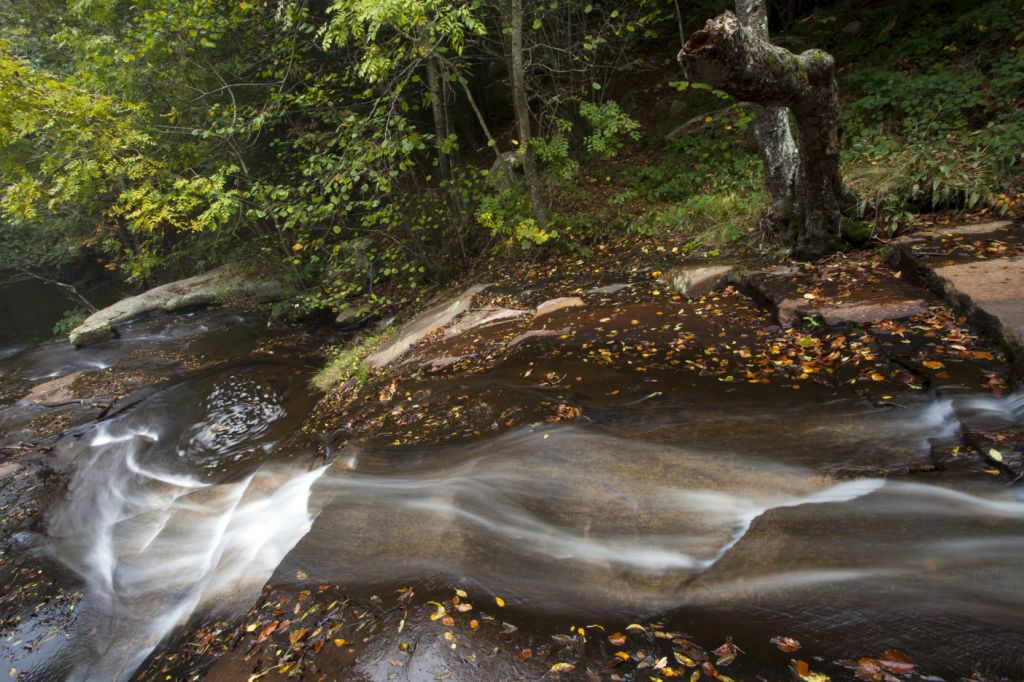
(737, 513)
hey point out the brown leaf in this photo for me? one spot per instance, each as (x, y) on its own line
(787, 644)
(617, 638)
(896, 661)
(267, 631)
(525, 654)
(297, 636)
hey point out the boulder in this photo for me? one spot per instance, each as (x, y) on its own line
(228, 282)
(694, 282)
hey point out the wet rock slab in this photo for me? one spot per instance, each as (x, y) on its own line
(796, 293)
(979, 269)
(994, 287)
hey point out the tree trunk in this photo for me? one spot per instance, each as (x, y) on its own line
(438, 113)
(774, 138)
(522, 108)
(732, 58)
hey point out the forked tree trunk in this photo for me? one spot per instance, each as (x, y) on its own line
(774, 138)
(741, 62)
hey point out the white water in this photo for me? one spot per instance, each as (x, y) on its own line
(155, 546)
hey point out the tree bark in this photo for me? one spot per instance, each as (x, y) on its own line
(522, 109)
(774, 139)
(737, 60)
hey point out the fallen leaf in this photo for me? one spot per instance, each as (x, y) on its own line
(617, 638)
(267, 631)
(684, 660)
(787, 644)
(561, 667)
(499, 601)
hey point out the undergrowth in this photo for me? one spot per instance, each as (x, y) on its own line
(347, 361)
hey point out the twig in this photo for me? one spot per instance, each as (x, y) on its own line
(69, 289)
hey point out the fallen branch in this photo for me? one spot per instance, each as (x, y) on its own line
(68, 288)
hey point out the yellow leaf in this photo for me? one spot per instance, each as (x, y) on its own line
(933, 364)
(995, 455)
(339, 642)
(499, 601)
(636, 626)
(462, 593)
(561, 668)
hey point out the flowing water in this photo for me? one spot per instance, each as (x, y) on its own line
(745, 513)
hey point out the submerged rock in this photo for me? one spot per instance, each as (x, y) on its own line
(215, 287)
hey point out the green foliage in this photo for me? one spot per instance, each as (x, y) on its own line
(70, 320)
(934, 122)
(554, 153)
(894, 179)
(507, 216)
(346, 362)
(610, 128)
(711, 220)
